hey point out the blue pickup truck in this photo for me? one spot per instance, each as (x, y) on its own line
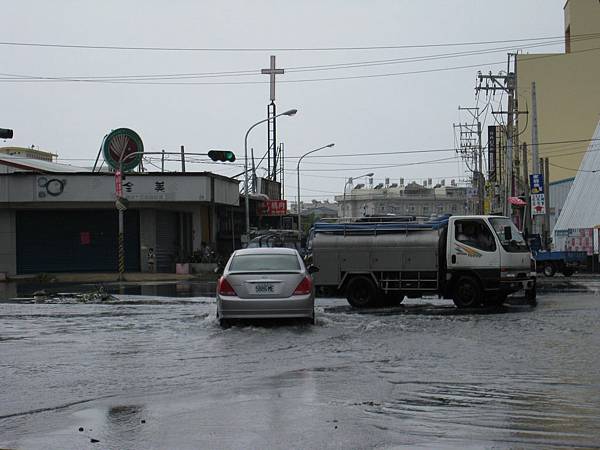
(551, 261)
(565, 262)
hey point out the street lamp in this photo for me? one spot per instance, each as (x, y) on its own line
(290, 112)
(298, 172)
(370, 174)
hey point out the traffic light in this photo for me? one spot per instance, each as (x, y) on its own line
(221, 155)
(6, 133)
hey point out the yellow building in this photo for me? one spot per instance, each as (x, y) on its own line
(568, 91)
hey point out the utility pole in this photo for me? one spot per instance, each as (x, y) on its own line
(182, 159)
(506, 83)
(535, 162)
(471, 151)
(527, 216)
(546, 166)
(282, 170)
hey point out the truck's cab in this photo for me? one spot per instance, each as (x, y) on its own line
(489, 254)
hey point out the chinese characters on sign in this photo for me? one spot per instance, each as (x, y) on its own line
(538, 201)
(273, 208)
(118, 183)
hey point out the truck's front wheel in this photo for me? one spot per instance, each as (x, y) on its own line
(467, 292)
(361, 292)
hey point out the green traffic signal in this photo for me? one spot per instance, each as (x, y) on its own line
(221, 155)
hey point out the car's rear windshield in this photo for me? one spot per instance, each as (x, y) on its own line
(264, 262)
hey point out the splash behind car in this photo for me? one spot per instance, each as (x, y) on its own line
(265, 283)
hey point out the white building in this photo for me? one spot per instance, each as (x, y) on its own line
(413, 200)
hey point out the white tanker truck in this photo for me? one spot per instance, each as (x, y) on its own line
(473, 260)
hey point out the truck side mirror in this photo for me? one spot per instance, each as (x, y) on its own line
(507, 234)
(312, 269)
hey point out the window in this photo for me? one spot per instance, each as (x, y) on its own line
(517, 243)
(264, 262)
(475, 233)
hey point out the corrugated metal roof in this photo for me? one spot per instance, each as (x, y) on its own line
(581, 206)
(18, 163)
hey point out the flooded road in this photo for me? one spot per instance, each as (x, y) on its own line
(158, 372)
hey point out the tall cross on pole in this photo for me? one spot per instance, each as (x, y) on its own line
(272, 124)
(272, 71)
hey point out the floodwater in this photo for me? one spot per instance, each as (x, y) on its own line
(158, 372)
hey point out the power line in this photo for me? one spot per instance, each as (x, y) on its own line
(246, 72)
(33, 79)
(267, 49)
(574, 170)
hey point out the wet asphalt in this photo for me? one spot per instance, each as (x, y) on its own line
(152, 369)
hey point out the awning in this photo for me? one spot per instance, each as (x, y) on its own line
(516, 201)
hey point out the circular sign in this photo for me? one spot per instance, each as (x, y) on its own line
(122, 149)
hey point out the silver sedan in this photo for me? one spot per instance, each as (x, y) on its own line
(266, 283)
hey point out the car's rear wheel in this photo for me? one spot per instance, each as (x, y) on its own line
(361, 292)
(467, 292)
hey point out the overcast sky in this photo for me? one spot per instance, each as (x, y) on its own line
(391, 113)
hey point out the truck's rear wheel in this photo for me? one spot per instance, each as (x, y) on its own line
(549, 269)
(467, 292)
(361, 292)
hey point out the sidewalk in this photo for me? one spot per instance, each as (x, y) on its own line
(134, 277)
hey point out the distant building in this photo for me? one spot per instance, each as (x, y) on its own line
(321, 209)
(567, 91)
(30, 153)
(413, 199)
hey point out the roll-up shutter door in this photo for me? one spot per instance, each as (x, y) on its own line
(75, 241)
(167, 238)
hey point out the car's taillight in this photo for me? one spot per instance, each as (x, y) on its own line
(305, 287)
(224, 288)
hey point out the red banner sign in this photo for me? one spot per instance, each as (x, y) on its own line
(118, 183)
(273, 208)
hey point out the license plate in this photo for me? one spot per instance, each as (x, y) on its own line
(264, 288)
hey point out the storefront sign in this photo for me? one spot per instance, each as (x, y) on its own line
(538, 204)
(273, 208)
(538, 198)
